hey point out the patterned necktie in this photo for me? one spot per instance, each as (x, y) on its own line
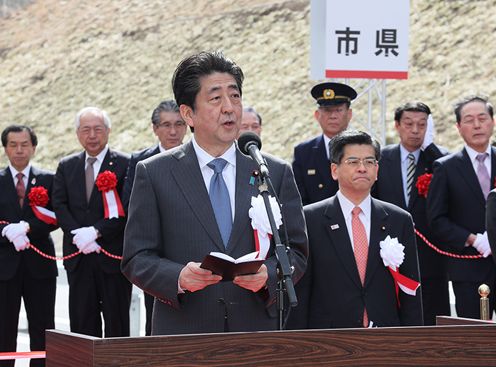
(89, 177)
(361, 250)
(20, 188)
(219, 197)
(410, 172)
(483, 175)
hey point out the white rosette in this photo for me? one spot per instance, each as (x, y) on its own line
(260, 223)
(393, 253)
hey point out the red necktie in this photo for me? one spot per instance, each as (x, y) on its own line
(20, 188)
(361, 250)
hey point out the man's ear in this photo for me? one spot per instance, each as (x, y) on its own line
(187, 114)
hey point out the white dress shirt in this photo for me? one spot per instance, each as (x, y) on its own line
(25, 172)
(228, 173)
(404, 167)
(99, 160)
(347, 206)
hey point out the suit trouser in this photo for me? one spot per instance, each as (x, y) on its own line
(93, 293)
(435, 298)
(39, 302)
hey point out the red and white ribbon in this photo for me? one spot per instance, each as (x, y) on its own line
(261, 225)
(392, 254)
(44, 215)
(112, 204)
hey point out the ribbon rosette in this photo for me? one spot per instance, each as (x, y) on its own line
(392, 254)
(261, 225)
(106, 182)
(423, 183)
(38, 199)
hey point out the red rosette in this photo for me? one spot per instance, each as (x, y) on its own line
(106, 181)
(38, 196)
(423, 183)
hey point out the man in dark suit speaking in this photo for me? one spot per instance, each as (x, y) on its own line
(347, 284)
(195, 199)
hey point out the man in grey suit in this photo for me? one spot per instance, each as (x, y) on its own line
(174, 217)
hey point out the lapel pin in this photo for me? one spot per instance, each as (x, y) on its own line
(111, 163)
(33, 181)
(334, 226)
(383, 228)
(311, 172)
(254, 176)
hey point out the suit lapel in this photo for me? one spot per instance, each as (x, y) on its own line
(190, 181)
(396, 174)
(320, 159)
(467, 173)
(379, 226)
(244, 193)
(340, 239)
(9, 189)
(492, 184)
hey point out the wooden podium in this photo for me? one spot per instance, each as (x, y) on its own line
(460, 343)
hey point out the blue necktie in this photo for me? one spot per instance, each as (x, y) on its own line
(219, 197)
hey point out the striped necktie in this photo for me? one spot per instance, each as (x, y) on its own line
(410, 172)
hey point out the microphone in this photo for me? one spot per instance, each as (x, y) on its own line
(250, 144)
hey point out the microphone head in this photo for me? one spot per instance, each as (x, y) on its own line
(248, 139)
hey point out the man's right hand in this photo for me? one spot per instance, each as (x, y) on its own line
(193, 278)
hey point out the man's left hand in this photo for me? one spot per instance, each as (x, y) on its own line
(253, 282)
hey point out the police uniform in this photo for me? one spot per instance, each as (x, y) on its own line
(311, 163)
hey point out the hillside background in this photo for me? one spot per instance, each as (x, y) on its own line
(57, 56)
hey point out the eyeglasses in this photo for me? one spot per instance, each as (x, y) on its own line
(97, 129)
(168, 125)
(368, 162)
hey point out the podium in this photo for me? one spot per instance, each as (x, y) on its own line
(458, 343)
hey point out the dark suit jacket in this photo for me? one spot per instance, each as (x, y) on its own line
(39, 234)
(312, 171)
(131, 168)
(171, 222)
(331, 294)
(455, 208)
(389, 187)
(73, 211)
(491, 221)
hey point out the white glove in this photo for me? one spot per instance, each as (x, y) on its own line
(14, 230)
(91, 247)
(21, 242)
(429, 133)
(83, 236)
(481, 243)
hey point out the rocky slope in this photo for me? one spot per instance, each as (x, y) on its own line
(57, 56)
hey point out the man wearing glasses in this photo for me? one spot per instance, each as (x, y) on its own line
(401, 166)
(170, 130)
(346, 284)
(312, 158)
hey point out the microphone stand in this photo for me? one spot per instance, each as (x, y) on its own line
(284, 268)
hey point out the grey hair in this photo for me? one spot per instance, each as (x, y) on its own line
(95, 110)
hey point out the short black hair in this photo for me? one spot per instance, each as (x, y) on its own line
(472, 98)
(250, 109)
(164, 106)
(415, 106)
(18, 129)
(186, 78)
(352, 137)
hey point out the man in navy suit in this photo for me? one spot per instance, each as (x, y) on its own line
(400, 166)
(456, 204)
(96, 285)
(347, 284)
(311, 160)
(23, 273)
(170, 129)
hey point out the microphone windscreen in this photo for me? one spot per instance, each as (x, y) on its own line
(247, 139)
